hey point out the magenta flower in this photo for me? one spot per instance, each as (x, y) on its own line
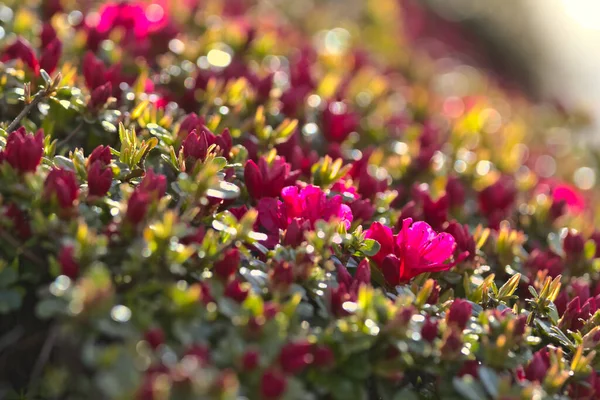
(416, 249)
(300, 208)
(312, 204)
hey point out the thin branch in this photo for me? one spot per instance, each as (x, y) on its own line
(36, 99)
(15, 243)
(43, 358)
(72, 134)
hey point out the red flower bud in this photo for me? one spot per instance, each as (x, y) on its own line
(267, 180)
(102, 154)
(155, 337)
(323, 356)
(50, 56)
(191, 122)
(470, 367)
(338, 122)
(452, 343)
(61, 185)
(455, 192)
(573, 244)
(236, 291)
(154, 184)
(47, 35)
(100, 96)
(282, 275)
(295, 356)
(434, 296)
(99, 179)
(339, 296)
(459, 313)
(94, 71)
(225, 142)
(496, 201)
(294, 235)
(137, 206)
(250, 360)
(465, 243)
(538, 366)
(390, 268)
(363, 273)
(20, 222)
(362, 210)
(200, 353)
(272, 384)
(68, 265)
(429, 330)
(435, 212)
(23, 51)
(195, 147)
(23, 151)
(228, 266)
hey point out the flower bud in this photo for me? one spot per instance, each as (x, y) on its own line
(228, 266)
(68, 265)
(323, 356)
(155, 337)
(236, 291)
(429, 330)
(50, 56)
(61, 185)
(295, 356)
(99, 179)
(23, 151)
(250, 360)
(137, 206)
(573, 244)
(100, 96)
(538, 366)
(272, 384)
(459, 313)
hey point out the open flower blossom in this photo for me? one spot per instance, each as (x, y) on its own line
(304, 205)
(416, 249)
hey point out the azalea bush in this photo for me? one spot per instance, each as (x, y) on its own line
(234, 200)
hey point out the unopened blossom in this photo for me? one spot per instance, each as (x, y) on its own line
(61, 185)
(24, 151)
(459, 313)
(416, 249)
(497, 200)
(68, 264)
(268, 178)
(22, 50)
(338, 122)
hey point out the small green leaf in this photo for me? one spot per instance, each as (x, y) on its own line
(370, 247)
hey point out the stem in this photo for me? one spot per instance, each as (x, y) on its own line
(14, 243)
(43, 358)
(36, 99)
(70, 136)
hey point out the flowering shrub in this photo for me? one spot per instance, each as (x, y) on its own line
(201, 200)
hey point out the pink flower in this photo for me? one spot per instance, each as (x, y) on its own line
(312, 204)
(414, 250)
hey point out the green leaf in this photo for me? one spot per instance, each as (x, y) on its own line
(8, 276)
(490, 380)
(469, 388)
(370, 247)
(10, 300)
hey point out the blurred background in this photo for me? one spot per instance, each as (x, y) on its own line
(546, 49)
